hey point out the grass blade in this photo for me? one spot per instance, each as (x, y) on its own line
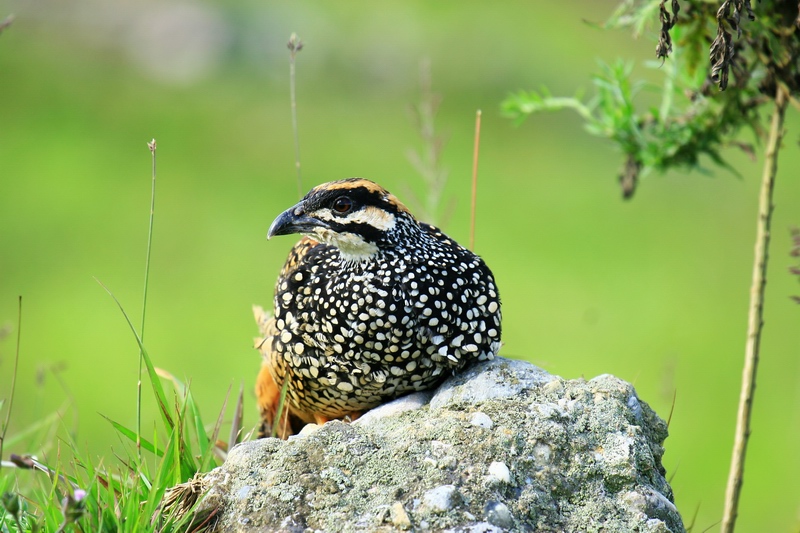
(185, 392)
(130, 434)
(236, 425)
(18, 436)
(279, 412)
(13, 379)
(205, 460)
(158, 389)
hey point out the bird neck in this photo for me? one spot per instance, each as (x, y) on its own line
(355, 249)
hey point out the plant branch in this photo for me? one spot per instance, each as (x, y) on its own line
(755, 315)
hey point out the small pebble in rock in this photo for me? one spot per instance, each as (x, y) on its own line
(543, 454)
(499, 472)
(497, 513)
(400, 516)
(307, 430)
(441, 499)
(549, 410)
(555, 387)
(481, 420)
(635, 406)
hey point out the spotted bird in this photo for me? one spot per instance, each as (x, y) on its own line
(370, 305)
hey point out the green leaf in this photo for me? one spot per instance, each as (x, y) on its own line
(185, 392)
(130, 434)
(158, 390)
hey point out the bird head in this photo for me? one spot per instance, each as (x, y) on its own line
(357, 216)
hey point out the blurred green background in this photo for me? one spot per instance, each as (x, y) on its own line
(654, 290)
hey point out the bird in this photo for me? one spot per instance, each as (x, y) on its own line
(370, 305)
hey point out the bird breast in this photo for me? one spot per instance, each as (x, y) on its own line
(386, 315)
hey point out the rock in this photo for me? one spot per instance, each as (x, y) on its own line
(439, 500)
(481, 420)
(409, 402)
(399, 516)
(508, 378)
(499, 472)
(585, 456)
(498, 514)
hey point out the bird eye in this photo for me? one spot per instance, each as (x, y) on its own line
(342, 205)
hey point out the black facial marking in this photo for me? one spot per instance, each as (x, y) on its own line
(359, 197)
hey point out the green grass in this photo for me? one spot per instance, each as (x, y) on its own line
(73, 489)
(142, 488)
(123, 494)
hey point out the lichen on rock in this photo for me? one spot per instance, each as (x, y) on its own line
(503, 446)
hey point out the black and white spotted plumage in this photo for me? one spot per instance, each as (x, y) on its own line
(373, 304)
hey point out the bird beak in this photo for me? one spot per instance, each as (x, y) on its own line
(294, 220)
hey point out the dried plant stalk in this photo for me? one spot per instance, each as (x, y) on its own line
(755, 318)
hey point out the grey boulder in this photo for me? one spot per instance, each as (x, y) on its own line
(503, 446)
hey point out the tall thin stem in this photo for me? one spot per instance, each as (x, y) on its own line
(474, 196)
(295, 45)
(152, 146)
(756, 313)
(13, 379)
